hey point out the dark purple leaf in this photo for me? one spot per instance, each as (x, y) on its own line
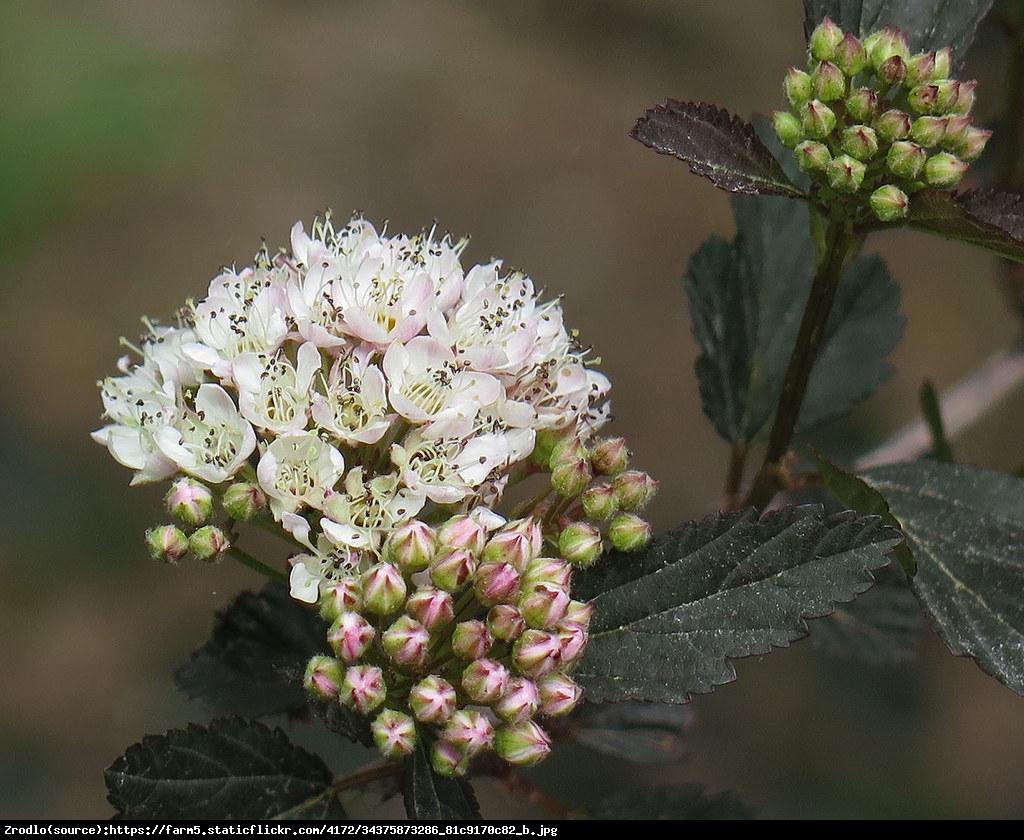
(983, 218)
(717, 145)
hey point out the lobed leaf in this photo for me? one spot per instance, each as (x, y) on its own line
(717, 145)
(928, 24)
(255, 659)
(746, 301)
(986, 219)
(231, 770)
(429, 796)
(965, 526)
(669, 619)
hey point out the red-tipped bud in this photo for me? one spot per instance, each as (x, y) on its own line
(635, 489)
(520, 701)
(905, 159)
(495, 583)
(797, 87)
(812, 156)
(889, 203)
(944, 170)
(559, 695)
(819, 121)
(167, 543)
(580, 543)
(850, 55)
(411, 547)
(893, 70)
(524, 744)
(451, 569)
(860, 142)
(505, 622)
(433, 608)
(824, 40)
(363, 688)
(394, 733)
(462, 531)
(573, 637)
(971, 143)
(470, 731)
(886, 44)
(599, 501)
(943, 63)
(471, 639)
(406, 642)
(324, 676)
(189, 501)
(862, 105)
(209, 543)
(609, 456)
(892, 125)
(921, 68)
(383, 589)
(345, 595)
(544, 605)
(536, 653)
(513, 547)
(448, 759)
(571, 476)
(845, 174)
(628, 532)
(432, 700)
(546, 570)
(580, 612)
(928, 131)
(244, 501)
(964, 97)
(828, 82)
(924, 99)
(485, 680)
(350, 636)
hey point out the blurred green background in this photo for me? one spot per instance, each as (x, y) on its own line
(144, 144)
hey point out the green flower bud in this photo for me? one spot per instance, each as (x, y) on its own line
(889, 203)
(411, 547)
(244, 501)
(885, 45)
(924, 99)
(845, 174)
(471, 639)
(860, 142)
(383, 589)
(524, 744)
(905, 159)
(609, 456)
(324, 676)
(921, 68)
(828, 82)
(850, 55)
(167, 543)
(797, 87)
(928, 131)
(580, 543)
(812, 156)
(862, 105)
(819, 121)
(432, 700)
(394, 733)
(599, 501)
(209, 543)
(944, 170)
(189, 502)
(824, 40)
(340, 597)
(788, 128)
(971, 143)
(628, 532)
(892, 125)
(451, 569)
(943, 63)
(544, 605)
(448, 759)
(634, 489)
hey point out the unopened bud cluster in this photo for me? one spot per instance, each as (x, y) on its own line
(872, 123)
(460, 635)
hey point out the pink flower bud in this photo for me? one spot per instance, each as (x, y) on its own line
(544, 605)
(924, 99)
(572, 636)
(520, 701)
(167, 543)
(559, 695)
(363, 688)
(579, 612)
(350, 636)
(383, 589)
(452, 568)
(546, 570)
(971, 143)
(485, 680)
(964, 97)
(635, 489)
(523, 744)
(505, 622)
(433, 608)
(570, 477)
(448, 759)
(495, 583)
(209, 543)
(511, 546)
(189, 501)
(406, 642)
(628, 532)
(340, 597)
(471, 639)
(394, 733)
(432, 700)
(536, 653)
(411, 547)
(324, 676)
(244, 501)
(470, 731)
(893, 70)
(462, 532)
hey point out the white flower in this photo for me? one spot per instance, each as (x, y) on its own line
(274, 394)
(367, 511)
(210, 441)
(353, 405)
(297, 471)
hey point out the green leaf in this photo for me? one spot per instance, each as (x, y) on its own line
(682, 802)
(645, 733)
(717, 145)
(429, 796)
(986, 219)
(231, 770)
(668, 619)
(746, 301)
(965, 526)
(928, 24)
(882, 626)
(254, 662)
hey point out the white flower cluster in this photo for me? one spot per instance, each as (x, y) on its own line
(360, 381)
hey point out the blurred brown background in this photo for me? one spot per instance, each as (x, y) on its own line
(144, 144)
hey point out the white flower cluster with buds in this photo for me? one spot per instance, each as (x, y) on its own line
(375, 400)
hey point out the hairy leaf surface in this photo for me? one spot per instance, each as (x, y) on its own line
(986, 219)
(429, 796)
(669, 619)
